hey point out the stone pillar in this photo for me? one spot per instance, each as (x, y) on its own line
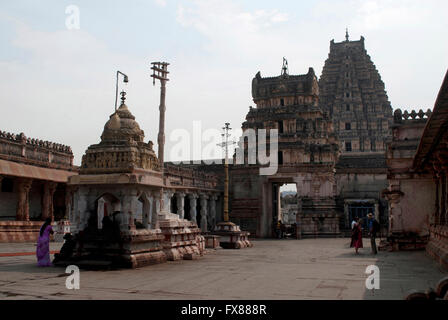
(180, 198)
(100, 212)
(377, 211)
(146, 210)
(193, 201)
(68, 202)
(128, 206)
(155, 209)
(212, 220)
(437, 212)
(166, 203)
(23, 206)
(347, 216)
(47, 200)
(203, 199)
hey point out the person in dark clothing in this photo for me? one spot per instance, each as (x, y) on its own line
(373, 229)
(67, 249)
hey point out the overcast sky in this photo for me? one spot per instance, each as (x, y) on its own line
(59, 84)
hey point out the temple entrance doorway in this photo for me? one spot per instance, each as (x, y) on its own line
(187, 214)
(106, 205)
(277, 186)
(143, 218)
(360, 210)
(198, 214)
(173, 205)
(288, 203)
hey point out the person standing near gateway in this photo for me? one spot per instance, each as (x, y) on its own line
(356, 235)
(43, 244)
(373, 226)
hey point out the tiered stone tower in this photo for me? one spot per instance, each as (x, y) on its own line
(289, 103)
(307, 153)
(352, 93)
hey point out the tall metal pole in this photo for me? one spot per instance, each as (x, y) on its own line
(226, 179)
(225, 145)
(160, 72)
(125, 80)
(161, 135)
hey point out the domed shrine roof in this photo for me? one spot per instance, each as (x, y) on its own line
(122, 147)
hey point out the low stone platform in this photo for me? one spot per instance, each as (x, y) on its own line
(182, 239)
(319, 225)
(133, 248)
(231, 236)
(437, 246)
(19, 231)
(409, 241)
(212, 241)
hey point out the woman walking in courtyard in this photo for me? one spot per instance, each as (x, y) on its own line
(356, 236)
(43, 244)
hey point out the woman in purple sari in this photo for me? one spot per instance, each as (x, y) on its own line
(43, 244)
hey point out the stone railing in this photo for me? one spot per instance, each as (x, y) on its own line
(191, 177)
(18, 147)
(400, 116)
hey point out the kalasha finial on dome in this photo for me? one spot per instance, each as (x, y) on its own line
(123, 98)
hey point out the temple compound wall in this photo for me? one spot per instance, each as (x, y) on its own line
(409, 206)
(417, 175)
(33, 176)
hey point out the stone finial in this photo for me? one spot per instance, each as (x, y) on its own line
(398, 115)
(285, 71)
(346, 34)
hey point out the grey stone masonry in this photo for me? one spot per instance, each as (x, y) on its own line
(352, 93)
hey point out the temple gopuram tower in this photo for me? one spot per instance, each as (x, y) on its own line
(307, 153)
(352, 93)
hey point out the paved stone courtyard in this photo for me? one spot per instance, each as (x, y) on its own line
(272, 269)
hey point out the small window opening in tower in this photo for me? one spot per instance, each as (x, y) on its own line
(282, 102)
(288, 203)
(347, 94)
(346, 74)
(280, 127)
(348, 146)
(348, 126)
(347, 107)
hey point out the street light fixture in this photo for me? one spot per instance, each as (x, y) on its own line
(125, 80)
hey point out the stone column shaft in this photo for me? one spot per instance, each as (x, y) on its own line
(212, 222)
(155, 209)
(180, 197)
(203, 199)
(23, 206)
(47, 200)
(193, 202)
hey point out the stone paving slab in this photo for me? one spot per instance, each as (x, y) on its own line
(272, 269)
